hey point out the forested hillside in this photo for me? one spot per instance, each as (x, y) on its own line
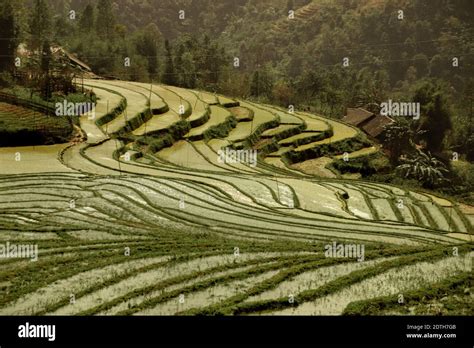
(321, 55)
(286, 60)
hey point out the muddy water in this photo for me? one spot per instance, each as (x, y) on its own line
(32, 159)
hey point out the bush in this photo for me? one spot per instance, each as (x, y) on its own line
(392, 178)
(463, 181)
(6, 79)
(365, 165)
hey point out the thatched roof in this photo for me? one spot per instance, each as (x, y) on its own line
(357, 116)
(370, 123)
(375, 126)
(60, 56)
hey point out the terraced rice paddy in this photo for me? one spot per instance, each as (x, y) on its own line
(171, 229)
(218, 116)
(341, 132)
(23, 126)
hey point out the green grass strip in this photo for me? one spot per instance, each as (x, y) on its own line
(374, 306)
(232, 307)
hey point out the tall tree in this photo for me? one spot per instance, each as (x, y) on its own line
(40, 24)
(8, 35)
(178, 64)
(438, 122)
(399, 138)
(46, 60)
(262, 84)
(169, 76)
(105, 19)
(147, 46)
(436, 115)
(211, 61)
(87, 19)
(188, 69)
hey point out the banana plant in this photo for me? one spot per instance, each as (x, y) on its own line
(423, 167)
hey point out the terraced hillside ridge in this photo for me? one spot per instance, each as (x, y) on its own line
(299, 15)
(144, 217)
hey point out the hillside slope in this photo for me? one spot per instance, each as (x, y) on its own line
(148, 220)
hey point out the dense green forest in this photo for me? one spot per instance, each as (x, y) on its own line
(322, 55)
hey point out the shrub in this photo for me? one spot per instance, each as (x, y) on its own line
(6, 79)
(425, 168)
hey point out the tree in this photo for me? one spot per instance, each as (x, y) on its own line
(436, 116)
(399, 138)
(437, 66)
(63, 27)
(311, 83)
(422, 64)
(425, 168)
(254, 85)
(469, 145)
(214, 61)
(138, 70)
(411, 74)
(438, 122)
(147, 46)
(87, 19)
(169, 75)
(8, 35)
(283, 92)
(188, 78)
(40, 24)
(46, 60)
(209, 61)
(370, 89)
(262, 84)
(105, 19)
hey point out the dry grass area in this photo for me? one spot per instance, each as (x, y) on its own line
(316, 167)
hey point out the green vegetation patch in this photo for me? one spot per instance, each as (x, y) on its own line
(445, 293)
(21, 126)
